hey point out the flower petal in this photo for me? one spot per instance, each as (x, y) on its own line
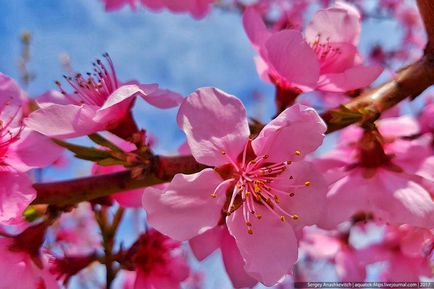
(308, 201)
(255, 27)
(25, 154)
(292, 58)
(213, 122)
(335, 25)
(16, 193)
(403, 201)
(64, 120)
(298, 128)
(185, 209)
(206, 243)
(271, 251)
(163, 98)
(353, 78)
(234, 263)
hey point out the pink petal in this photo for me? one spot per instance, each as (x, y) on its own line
(335, 25)
(185, 209)
(309, 201)
(292, 58)
(346, 197)
(206, 243)
(339, 62)
(398, 126)
(271, 251)
(16, 193)
(318, 244)
(25, 154)
(255, 27)
(296, 128)
(64, 120)
(213, 122)
(403, 201)
(122, 94)
(163, 98)
(353, 78)
(234, 263)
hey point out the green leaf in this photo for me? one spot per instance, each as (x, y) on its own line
(85, 153)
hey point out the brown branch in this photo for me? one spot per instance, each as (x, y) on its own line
(426, 10)
(70, 192)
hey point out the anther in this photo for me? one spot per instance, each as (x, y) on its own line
(222, 152)
(297, 152)
(307, 183)
(248, 224)
(291, 194)
(258, 216)
(248, 194)
(250, 231)
(282, 218)
(295, 217)
(213, 195)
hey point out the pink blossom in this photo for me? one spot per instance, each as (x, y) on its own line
(262, 189)
(22, 272)
(407, 251)
(197, 8)
(158, 262)
(326, 59)
(99, 102)
(19, 152)
(335, 247)
(388, 180)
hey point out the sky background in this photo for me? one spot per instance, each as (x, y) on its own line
(175, 51)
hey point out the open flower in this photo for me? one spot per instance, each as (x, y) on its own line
(327, 58)
(19, 152)
(99, 102)
(384, 175)
(261, 189)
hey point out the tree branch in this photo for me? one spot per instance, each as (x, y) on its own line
(70, 192)
(426, 10)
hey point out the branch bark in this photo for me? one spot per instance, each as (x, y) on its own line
(71, 192)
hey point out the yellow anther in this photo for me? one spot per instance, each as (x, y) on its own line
(297, 152)
(248, 194)
(213, 195)
(288, 162)
(250, 231)
(268, 201)
(256, 188)
(253, 161)
(248, 224)
(276, 198)
(282, 218)
(258, 216)
(295, 217)
(257, 197)
(307, 183)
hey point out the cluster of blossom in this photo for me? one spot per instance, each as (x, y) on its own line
(258, 192)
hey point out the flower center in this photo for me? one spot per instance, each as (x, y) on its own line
(94, 88)
(254, 186)
(326, 53)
